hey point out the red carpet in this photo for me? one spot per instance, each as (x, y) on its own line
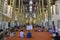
(36, 36)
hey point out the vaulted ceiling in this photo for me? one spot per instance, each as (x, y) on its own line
(26, 3)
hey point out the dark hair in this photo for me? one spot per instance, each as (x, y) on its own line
(28, 23)
(43, 27)
(56, 33)
(28, 30)
(21, 30)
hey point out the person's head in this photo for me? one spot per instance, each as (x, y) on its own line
(11, 31)
(57, 34)
(28, 24)
(43, 27)
(28, 30)
(39, 26)
(50, 28)
(22, 30)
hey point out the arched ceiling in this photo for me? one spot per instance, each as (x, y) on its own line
(27, 1)
(26, 4)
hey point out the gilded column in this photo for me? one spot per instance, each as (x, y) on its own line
(1, 9)
(13, 9)
(19, 10)
(49, 13)
(13, 13)
(1, 12)
(43, 15)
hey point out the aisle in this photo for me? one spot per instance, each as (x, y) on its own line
(36, 36)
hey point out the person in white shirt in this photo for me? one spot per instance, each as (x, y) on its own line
(51, 30)
(29, 27)
(12, 34)
(21, 34)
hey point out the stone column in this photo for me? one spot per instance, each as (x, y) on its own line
(1, 11)
(39, 16)
(49, 14)
(1, 8)
(13, 9)
(19, 11)
(13, 12)
(43, 14)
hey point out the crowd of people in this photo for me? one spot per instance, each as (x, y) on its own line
(55, 35)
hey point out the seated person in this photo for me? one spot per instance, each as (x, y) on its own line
(54, 34)
(35, 29)
(12, 34)
(43, 28)
(29, 35)
(39, 29)
(58, 30)
(57, 37)
(51, 30)
(21, 34)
